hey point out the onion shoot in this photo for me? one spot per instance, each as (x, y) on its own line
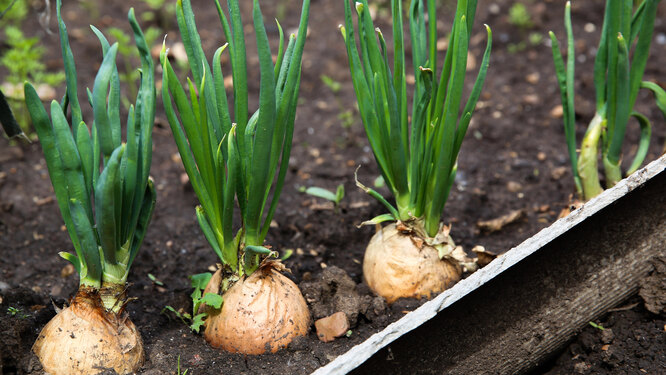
(244, 158)
(106, 199)
(617, 79)
(416, 154)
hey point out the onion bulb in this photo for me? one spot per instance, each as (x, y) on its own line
(261, 313)
(395, 267)
(85, 338)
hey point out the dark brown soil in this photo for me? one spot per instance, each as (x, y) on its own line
(629, 339)
(514, 158)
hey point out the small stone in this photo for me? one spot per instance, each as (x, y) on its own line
(56, 290)
(557, 111)
(541, 156)
(581, 368)
(607, 336)
(533, 78)
(514, 186)
(332, 326)
(184, 179)
(42, 201)
(177, 50)
(558, 172)
(67, 271)
(531, 99)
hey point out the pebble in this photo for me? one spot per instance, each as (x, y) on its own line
(332, 326)
(607, 336)
(533, 78)
(557, 112)
(514, 186)
(558, 172)
(67, 271)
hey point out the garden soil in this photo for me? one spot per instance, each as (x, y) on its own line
(514, 161)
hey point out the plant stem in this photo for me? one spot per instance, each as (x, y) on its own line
(587, 162)
(613, 172)
(113, 296)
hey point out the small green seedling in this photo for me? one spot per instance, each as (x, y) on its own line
(597, 326)
(520, 17)
(318, 192)
(181, 373)
(155, 280)
(196, 320)
(332, 84)
(286, 254)
(13, 311)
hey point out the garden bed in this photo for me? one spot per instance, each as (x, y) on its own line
(514, 158)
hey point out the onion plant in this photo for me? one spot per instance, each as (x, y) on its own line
(618, 75)
(244, 157)
(416, 153)
(106, 199)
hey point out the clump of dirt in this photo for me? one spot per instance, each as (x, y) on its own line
(334, 291)
(653, 288)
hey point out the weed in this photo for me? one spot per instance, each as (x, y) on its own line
(196, 319)
(519, 16)
(13, 311)
(318, 192)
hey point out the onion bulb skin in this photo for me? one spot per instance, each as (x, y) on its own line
(395, 267)
(84, 339)
(261, 313)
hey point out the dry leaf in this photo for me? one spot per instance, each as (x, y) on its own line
(497, 224)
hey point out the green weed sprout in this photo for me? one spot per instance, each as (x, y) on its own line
(617, 78)
(106, 199)
(417, 158)
(239, 158)
(318, 192)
